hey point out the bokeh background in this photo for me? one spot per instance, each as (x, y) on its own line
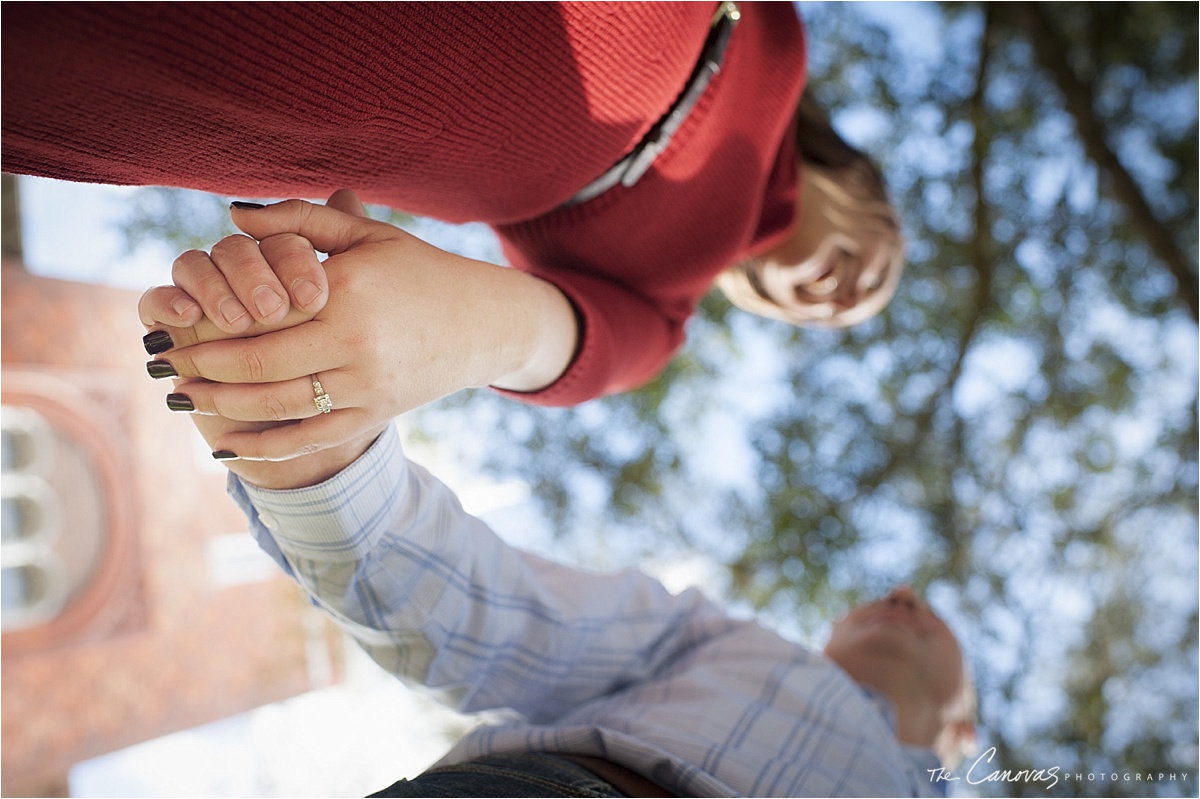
(1016, 435)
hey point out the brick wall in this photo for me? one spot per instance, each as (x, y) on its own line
(155, 642)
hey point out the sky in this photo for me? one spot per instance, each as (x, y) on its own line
(90, 249)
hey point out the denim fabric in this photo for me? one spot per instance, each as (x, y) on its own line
(504, 776)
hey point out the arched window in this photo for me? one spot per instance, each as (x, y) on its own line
(69, 566)
(52, 524)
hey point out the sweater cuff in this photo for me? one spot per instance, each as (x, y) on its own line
(340, 519)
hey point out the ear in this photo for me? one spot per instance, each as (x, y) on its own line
(956, 741)
(965, 736)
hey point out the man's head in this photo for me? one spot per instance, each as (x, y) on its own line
(902, 649)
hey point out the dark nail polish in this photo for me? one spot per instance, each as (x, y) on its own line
(161, 369)
(245, 206)
(157, 342)
(180, 402)
(225, 455)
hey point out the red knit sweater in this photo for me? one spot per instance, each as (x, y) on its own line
(494, 112)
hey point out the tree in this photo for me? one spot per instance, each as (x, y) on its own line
(1016, 435)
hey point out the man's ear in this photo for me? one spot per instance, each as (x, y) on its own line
(964, 735)
(956, 742)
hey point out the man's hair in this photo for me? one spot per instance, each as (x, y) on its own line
(858, 195)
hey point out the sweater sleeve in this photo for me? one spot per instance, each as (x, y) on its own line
(436, 598)
(635, 261)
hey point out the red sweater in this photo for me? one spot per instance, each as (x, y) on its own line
(494, 112)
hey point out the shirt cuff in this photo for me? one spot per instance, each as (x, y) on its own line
(340, 519)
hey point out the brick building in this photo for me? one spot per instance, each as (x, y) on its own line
(134, 605)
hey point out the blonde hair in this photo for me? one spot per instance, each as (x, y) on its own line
(857, 200)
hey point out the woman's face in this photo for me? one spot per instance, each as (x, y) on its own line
(829, 271)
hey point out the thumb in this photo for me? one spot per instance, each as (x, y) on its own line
(327, 229)
(346, 201)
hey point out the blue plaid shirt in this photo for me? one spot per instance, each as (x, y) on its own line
(608, 665)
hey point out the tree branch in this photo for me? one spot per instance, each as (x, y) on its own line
(1050, 50)
(980, 260)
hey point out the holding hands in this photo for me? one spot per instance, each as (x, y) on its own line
(387, 323)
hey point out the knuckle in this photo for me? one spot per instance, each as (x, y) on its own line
(303, 211)
(231, 246)
(214, 404)
(212, 284)
(186, 262)
(250, 365)
(289, 252)
(184, 363)
(356, 282)
(203, 331)
(296, 212)
(308, 448)
(272, 408)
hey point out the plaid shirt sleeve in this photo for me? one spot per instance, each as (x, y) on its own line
(438, 599)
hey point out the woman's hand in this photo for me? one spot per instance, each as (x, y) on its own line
(295, 473)
(405, 323)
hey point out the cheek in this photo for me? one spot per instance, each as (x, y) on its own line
(797, 248)
(843, 645)
(947, 665)
(812, 228)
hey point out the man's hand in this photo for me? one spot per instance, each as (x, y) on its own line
(243, 282)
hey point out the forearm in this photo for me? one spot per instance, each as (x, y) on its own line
(435, 597)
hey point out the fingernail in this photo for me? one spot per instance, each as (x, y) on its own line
(231, 310)
(305, 291)
(157, 341)
(266, 301)
(180, 402)
(225, 455)
(161, 369)
(245, 206)
(182, 306)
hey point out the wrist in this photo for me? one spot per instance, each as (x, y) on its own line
(544, 335)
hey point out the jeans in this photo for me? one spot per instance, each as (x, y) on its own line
(504, 776)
